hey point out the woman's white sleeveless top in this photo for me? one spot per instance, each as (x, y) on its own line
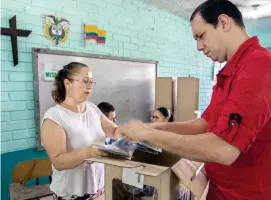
(82, 130)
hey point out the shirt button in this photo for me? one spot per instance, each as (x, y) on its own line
(232, 124)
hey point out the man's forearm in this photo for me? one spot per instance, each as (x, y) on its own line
(205, 147)
(192, 127)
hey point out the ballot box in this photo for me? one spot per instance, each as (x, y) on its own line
(164, 171)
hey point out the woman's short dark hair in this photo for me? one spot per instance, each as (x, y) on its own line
(166, 113)
(59, 91)
(106, 107)
(210, 11)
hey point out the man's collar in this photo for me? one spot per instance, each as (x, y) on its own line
(229, 67)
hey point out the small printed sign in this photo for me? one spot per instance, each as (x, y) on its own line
(49, 76)
(50, 71)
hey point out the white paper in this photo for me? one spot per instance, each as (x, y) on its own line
(130, 177)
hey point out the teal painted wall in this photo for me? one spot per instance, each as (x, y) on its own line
(264, 36)
(262, 28)
(134, 30)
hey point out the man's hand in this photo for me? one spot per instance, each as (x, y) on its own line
(135, 131)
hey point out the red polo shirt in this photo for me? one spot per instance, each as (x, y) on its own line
(240, 113)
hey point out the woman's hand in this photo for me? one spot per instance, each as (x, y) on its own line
(92, 152)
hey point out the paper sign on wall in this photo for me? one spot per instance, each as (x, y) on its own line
(50, 71)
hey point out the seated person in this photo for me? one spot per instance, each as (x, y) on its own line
(109, 111)
(162, 114)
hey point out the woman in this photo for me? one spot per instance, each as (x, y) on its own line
(162, 114)
(70, 130)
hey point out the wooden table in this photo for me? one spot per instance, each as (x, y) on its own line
(21, 192)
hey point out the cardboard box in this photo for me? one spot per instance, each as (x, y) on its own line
(163, 171)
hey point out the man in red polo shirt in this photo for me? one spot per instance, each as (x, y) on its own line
(233, 136)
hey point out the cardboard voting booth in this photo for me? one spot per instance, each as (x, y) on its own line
(180, 95)
(187, 103)
(153, 170)
(164, 92)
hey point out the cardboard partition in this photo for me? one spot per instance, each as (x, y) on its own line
(187, 98)
(193, 176)
(164, 92)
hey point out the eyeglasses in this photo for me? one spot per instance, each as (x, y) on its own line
(154, 117)
(85, 82)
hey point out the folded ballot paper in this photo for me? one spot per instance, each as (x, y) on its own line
(125, 149)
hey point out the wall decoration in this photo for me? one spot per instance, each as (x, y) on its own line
(50, 71)
(13, 32)
(93, 33)
(56, 29)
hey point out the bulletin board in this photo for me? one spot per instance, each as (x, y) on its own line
(128, 84)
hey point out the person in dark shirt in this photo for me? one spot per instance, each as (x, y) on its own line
(108, 110)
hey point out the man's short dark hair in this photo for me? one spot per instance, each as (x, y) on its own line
(210, 11)
(106, 107)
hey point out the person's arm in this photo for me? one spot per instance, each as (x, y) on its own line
(205, 147)
(54, 141)
(192, 127)
(110, 128)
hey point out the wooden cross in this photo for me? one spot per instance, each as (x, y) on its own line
(13, 32)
